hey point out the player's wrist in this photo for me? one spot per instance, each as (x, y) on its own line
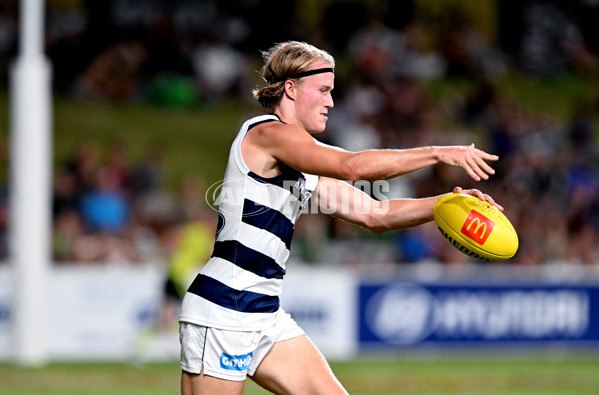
(435, 153)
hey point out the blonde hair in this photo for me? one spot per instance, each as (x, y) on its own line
(285, 59)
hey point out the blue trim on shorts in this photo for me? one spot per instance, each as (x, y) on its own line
(204, 348)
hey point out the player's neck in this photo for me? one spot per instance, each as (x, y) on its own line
(286, 112)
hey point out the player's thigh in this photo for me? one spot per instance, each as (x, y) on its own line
(295, 366)
(200, 384)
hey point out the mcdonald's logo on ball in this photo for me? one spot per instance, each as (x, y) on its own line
(478, 227)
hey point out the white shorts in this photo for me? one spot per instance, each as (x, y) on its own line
(230, 355)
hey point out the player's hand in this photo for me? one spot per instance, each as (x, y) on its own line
(476, 193)
(469, 158)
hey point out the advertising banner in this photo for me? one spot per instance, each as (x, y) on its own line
(110, 313)
(323, 302)
(94, 312)
(408, 314)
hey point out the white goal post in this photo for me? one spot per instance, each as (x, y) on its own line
(30, 186)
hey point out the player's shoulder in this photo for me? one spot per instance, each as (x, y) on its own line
(277, 130)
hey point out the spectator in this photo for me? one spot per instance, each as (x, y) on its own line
(105, 208)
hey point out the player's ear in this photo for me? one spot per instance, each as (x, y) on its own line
(290, 89)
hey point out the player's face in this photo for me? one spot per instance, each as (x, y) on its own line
(314, 100)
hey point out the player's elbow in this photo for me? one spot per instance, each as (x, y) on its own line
(377, 230)
(352, 170)
(375, 223)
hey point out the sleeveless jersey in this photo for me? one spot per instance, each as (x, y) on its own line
(239, 287)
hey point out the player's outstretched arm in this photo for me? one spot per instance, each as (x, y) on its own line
(292, 145)
(394, 163)
(344, 201)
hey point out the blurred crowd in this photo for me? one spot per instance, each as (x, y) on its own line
(108, 209)
(187, 53)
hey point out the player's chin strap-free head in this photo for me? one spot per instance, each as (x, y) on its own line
(301, 74)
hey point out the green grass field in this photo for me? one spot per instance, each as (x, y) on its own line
(439, 375)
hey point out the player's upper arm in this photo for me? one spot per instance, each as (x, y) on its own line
(296, 148)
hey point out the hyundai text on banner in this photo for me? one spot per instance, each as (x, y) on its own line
(407, 314)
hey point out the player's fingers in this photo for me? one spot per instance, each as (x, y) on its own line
(480, 195)
(482, 153)
(472, 173)
(486, 156)
(484, 165)
(477, 193)
(474, 170)
(489, 199)
(481, 166)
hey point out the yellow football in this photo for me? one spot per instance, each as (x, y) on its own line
(476, 228)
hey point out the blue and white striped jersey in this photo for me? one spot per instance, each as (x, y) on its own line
(239, 287)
